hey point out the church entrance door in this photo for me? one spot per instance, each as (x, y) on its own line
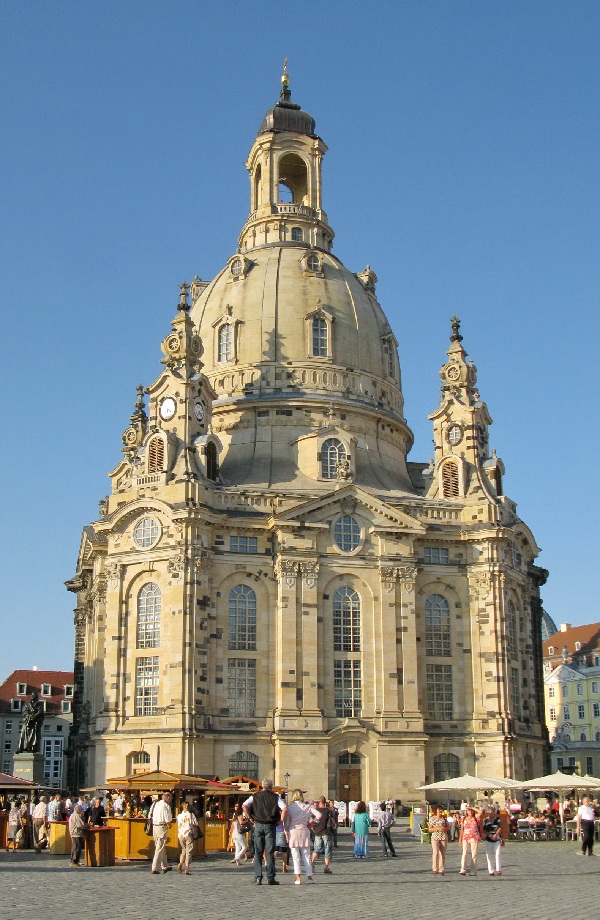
(349, 785)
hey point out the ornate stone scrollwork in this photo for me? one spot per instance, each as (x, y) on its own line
(309, 572)
(287, 569)
(112, 572)
(388, 576)
(407, 575)
(176, 565)
(481, 584)
(99, 590)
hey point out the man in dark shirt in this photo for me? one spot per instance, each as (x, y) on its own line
(96, 813)
(264, 810)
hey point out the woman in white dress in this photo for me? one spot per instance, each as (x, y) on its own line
(297, 820)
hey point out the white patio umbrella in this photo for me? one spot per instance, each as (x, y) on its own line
(468, 783)
(561, 782)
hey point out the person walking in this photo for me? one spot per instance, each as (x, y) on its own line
(76, 830)
(491, 832)
(585, 826)
(469, 840)
(323, 831)
(238, 836)
(360, 830)
(438, 829)
(336, 817)
(385, 821)
(296, 822)
(264, 810)
(186, 821)
(162, 818)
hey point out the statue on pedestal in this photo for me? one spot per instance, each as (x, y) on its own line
(33, 716)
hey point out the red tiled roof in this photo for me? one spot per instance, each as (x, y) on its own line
(587, 635)
(34, 681)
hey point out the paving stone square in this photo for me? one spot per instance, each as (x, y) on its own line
(545, 880)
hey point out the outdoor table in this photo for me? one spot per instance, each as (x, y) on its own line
(60, 839)
(99, 846)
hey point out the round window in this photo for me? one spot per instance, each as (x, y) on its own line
(146, 533)
(347, 533)
(455, 434)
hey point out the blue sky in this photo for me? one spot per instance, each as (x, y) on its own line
(463, 166)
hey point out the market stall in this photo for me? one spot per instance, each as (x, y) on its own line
(13, 785)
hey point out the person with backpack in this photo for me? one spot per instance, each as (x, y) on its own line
(264, 810)
(323, 828)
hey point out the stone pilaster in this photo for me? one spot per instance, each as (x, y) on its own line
(287, 640)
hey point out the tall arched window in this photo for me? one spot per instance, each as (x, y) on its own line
(242, 618)
(244, 763)
(148, 616)
(226, 342)
(212, 462)
(346, 621)
(320, 337)
(156, 455)
(437, 626)
(332, 452)
(450, 484)
(511, 632)
(445, 766)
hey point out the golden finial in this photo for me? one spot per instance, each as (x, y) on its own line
(284, 77)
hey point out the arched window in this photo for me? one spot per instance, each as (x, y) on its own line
(156, 455)
(226, 342)
(320, 337)
(450, 486)
(512, 645)
(437, 625)
(346, 621)
(347, 533)
(244, 763)
(297, 235)
(332, 452)
(140, 757)
(242, 618)
(445, 766)
(212, 462)
(148, 616)
(313, 263)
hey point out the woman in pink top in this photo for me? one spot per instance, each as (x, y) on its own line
(296, 823)
(469, 838)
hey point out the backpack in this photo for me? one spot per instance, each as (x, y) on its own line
(332, 824)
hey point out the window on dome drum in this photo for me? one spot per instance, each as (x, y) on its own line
(241, 686)
(320, 337)
(437, 626)
(243, 544)
(242, 618)
(349, 760)
(445, 766)
(140, 757)
(212, 463)
(156, 455)
(347, 688)
(346, 533)
(332, 453)
(244, 763)
(226, 342)
(552, 714)
(297, 235)
(435, 555)
(146, 532)
(346, 621)
(146, 686)
(581, 711)
(450, 487)
(313, 263)
(515, 692)
(512, 644)
(440, 704)
(148, 616)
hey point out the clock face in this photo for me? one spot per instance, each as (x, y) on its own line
(455, 435)
(167, 408)
(199, 411)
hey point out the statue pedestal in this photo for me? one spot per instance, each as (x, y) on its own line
(29, 766)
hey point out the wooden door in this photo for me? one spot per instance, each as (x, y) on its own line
(350, 777)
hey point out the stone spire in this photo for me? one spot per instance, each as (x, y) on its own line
(459, 377)
(134, 435)
(182, 348)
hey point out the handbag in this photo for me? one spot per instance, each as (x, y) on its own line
(196, 832)
(148, 825)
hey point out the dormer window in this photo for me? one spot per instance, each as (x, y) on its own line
(237, 268)
(320, 337)
(15, 705)
(21, 689)
(46, 690)
(68, 689)
(226, 342)
(551, 650)
(313, 262)
(333, 453)
(65, 706)
(577, 646)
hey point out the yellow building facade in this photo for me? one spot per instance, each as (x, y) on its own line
(271, 587)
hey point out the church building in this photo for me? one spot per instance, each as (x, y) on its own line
(271, 587)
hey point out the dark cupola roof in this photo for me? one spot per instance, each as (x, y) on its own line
(287, 115)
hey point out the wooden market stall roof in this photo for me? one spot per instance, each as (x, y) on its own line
(160, 780)
(15, 783)
(250, 785)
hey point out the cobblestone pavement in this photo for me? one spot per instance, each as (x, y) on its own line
(540, 880)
